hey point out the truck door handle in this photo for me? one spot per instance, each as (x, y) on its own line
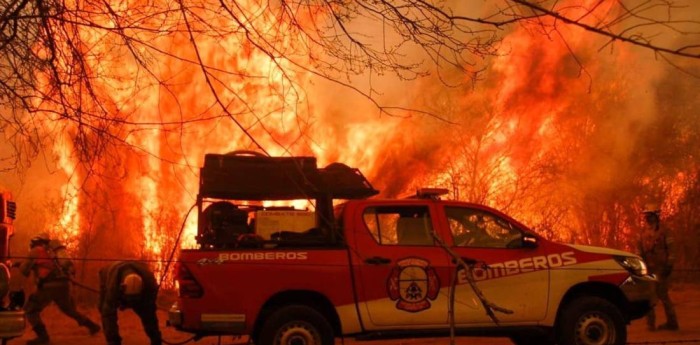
(377, 260)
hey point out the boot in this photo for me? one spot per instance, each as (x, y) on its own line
(92, 327)
(651, 322)
(42, 337)
(671, 319)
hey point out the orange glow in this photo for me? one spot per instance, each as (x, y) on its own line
(160, 175)
(171, 116)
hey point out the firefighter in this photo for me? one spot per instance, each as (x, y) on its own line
(52, 285)
(657, 249)
(128, 284)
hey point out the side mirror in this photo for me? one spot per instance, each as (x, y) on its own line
(529, 241)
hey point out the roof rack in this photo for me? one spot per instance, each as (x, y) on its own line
(244, 175)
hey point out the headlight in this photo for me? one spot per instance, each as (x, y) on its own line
(633, 264)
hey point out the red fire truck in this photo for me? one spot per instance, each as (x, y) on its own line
(11, 317)
(348, 265)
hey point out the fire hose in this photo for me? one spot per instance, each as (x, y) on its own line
(91, 289)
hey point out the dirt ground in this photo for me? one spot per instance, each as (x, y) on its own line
(64, 332)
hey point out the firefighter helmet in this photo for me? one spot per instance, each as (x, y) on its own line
(651, 208)
(132, 284)
(42, 237)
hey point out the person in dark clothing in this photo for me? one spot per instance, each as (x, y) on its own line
(128, 284)
(53, 285)
(656, 247)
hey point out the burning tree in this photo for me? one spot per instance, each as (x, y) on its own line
(126, 97)
(84, 62)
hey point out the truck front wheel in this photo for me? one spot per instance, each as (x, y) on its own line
(296, 325)
(591, 321)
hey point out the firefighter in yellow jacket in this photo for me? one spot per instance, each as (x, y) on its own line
(52, 285)
(657, 249)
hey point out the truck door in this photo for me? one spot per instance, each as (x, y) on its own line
(509, 268)
(400, 270)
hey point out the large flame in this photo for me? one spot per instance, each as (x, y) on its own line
(169, 126)
(69, 222)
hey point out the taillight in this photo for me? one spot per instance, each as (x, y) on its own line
(188, 287)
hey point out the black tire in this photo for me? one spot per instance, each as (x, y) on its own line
(296, 325)
(591, 320)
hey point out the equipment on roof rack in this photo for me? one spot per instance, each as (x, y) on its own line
(247, 176)
(430, 193)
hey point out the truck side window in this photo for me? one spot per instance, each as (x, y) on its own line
(399, 225)
(480, 229)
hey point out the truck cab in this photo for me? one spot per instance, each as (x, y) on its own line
(349, 265)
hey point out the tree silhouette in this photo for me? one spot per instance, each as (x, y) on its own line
(73, 66)
(122, 87)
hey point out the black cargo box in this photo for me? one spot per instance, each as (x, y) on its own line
(254, 177)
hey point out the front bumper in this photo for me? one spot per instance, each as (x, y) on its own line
(641, 295)
(11, 324)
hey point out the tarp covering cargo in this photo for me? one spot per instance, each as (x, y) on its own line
(255, 177)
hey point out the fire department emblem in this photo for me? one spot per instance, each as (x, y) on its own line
(413, 283)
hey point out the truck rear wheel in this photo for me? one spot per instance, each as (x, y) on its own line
(591, 321)
(296, 325)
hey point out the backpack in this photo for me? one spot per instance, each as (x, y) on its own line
(58, 254)
(43, 265)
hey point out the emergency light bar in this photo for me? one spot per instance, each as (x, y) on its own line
(431, 193)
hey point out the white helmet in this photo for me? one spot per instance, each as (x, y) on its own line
(132, 284)
(39, 239)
